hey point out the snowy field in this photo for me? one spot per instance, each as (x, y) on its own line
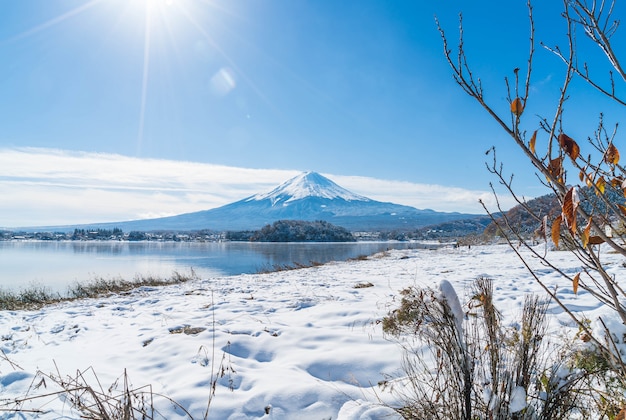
(301, 344)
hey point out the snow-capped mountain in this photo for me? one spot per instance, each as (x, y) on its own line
(308, 196)
(307, 184)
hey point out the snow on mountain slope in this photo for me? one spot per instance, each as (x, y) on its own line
(307, 184)
(308, 196)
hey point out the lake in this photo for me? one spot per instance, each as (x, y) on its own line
(58, 265)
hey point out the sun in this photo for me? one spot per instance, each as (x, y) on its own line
(164, 6)
(151, 34)
(161, 8)
(166, 2)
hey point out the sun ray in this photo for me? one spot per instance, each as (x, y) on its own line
(54, 21)
(157, 16)
(144, 79)
(230, 61)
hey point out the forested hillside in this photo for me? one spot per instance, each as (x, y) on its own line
(302, 231)
(521, 220)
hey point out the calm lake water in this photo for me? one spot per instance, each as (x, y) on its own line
(58, 265)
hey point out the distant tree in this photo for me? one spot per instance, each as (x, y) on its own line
(136, 236)
(245, 235)
(79, 234)
(302, 231)
(523, 221)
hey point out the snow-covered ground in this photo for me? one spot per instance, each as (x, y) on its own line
(301, 344)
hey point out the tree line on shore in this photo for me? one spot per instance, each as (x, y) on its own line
(281, 231)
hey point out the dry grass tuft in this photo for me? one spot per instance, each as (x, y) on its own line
(36, 297)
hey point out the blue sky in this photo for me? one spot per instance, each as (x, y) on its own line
(358, 90)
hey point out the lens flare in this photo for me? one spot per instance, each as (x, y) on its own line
(223, 82)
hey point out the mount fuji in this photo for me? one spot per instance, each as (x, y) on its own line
(308, 196)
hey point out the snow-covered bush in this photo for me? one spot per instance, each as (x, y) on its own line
(461, 362)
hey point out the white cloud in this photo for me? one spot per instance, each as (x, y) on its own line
(423, 196)
(51, 187)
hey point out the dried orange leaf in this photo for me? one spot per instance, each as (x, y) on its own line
(615, 182)
(622, 208)
(569, 146)
(555, 169)
(556, 231)
(531, 143)
(570, 206)
(621, 415)
(595, 240)
(575, 281)
(517, 107)
(611, 156)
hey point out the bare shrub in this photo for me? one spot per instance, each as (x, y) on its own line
(587, 179)
(469, 365)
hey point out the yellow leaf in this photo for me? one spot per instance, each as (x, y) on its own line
(601, 184)
(575, 281)
(517, 107)
(585, 234)
(611, 156)
(569, 146)
(531, 143)
(556, 231)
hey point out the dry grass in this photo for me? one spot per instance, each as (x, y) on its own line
(38, 296)
(287, 267)
(85, 396)
(84, 393)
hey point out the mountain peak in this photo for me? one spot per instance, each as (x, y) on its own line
(308, 196)
(307, 184)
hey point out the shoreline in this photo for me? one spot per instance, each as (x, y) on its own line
(36, 296)
(306, 342)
